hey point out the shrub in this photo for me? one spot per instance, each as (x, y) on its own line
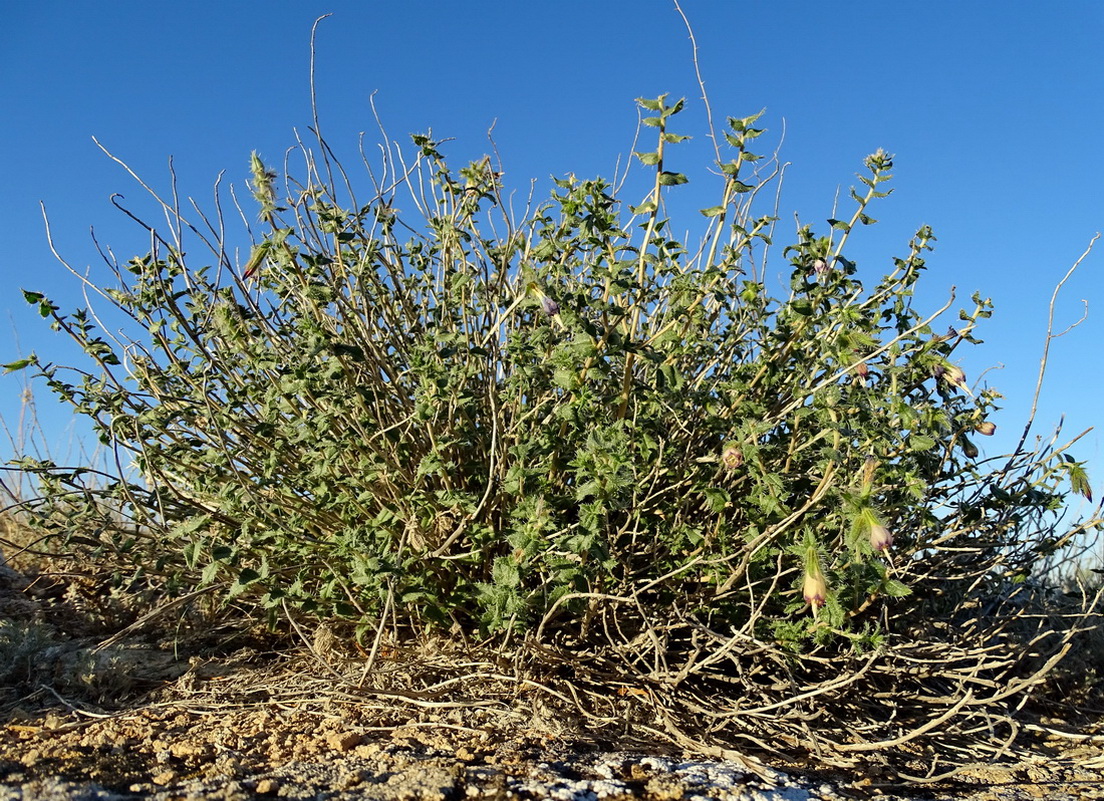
(570, 433)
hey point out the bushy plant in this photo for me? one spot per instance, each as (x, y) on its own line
(418, 410)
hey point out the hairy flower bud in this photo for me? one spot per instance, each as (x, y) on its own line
(953, 376)
(815, 588)
(731, 457)
(549, 306)
(820, 266)
(881, 538)
(969, 448)
(986, 428)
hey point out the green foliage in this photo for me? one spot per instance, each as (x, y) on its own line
(418, 408)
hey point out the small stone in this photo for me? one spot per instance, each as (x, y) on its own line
(345, 741)
(165, 777)
(267, 787)
(349, 780)
(665, 788)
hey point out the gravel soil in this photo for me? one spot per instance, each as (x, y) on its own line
(88, 715)
(270, 751)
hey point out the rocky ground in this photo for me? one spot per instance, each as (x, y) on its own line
(273, 751)
(89, 716)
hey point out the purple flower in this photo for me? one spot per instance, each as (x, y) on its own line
(549, 306)
(731, 457)
(881, 539)
(951, 374)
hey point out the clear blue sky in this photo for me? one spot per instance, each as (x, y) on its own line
(994, 111)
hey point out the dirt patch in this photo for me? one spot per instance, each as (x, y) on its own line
(206, 714)
(215, 746)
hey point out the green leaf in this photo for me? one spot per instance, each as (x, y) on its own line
(713, 211)
(210, 572)
(671, 376)
(191, 554)
(506, 572)
(920, 442)
(742, 124)
(45, 307)
(586, 489)
(565, 378)
(672, 178)
(12, 367)
(1079, 480)
(895, 589)
(647, 158)
(243, 580)
(717, 498)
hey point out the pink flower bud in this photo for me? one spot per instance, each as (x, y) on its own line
(880, 538)
(986, 428)
(953, 375)
(815, 589)
(731, 457)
